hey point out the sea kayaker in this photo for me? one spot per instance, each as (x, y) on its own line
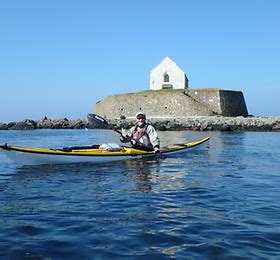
(142, 136)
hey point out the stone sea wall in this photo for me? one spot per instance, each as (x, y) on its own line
(173, 103)
(197, 123)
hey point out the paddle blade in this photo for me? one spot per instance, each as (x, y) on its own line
(101, 122)
(98, 120)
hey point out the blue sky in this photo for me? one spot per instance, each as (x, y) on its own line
(58, 58)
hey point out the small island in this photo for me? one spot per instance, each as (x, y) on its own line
(169, 105)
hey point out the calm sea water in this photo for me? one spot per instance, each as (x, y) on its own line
(216, 202)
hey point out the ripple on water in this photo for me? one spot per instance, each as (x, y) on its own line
(207, 203)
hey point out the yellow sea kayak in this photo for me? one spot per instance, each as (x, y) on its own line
(91, 154)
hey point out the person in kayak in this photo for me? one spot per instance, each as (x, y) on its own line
(141, 136)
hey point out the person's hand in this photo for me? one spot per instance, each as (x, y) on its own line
(156, 150)
(124, 133)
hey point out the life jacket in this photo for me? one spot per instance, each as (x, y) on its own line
(140, 135)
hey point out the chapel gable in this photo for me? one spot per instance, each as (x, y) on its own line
(167, 75)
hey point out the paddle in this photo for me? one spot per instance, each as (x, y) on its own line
(101, 122)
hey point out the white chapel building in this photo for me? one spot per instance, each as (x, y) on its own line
(167, 75)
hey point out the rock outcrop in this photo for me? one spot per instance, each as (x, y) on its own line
(209, 123)
(197, 123)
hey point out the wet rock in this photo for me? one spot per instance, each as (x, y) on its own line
(79, 124)
(26, 124)
(210, 123)
(44, 123)
(3, 126)
(198, 123)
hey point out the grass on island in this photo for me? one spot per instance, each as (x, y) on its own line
(172, 90)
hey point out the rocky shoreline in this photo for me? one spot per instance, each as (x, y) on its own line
(198, 123)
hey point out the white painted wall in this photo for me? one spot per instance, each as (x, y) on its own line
(177, 77)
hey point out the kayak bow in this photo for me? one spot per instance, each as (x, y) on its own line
(91, 154)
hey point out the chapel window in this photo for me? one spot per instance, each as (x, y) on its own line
(166, 78)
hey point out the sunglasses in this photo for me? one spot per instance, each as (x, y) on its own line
(141, 117)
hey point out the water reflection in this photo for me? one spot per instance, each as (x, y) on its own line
(141, 172)
(156, 174)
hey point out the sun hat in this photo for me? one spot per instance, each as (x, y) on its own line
(140, 114)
